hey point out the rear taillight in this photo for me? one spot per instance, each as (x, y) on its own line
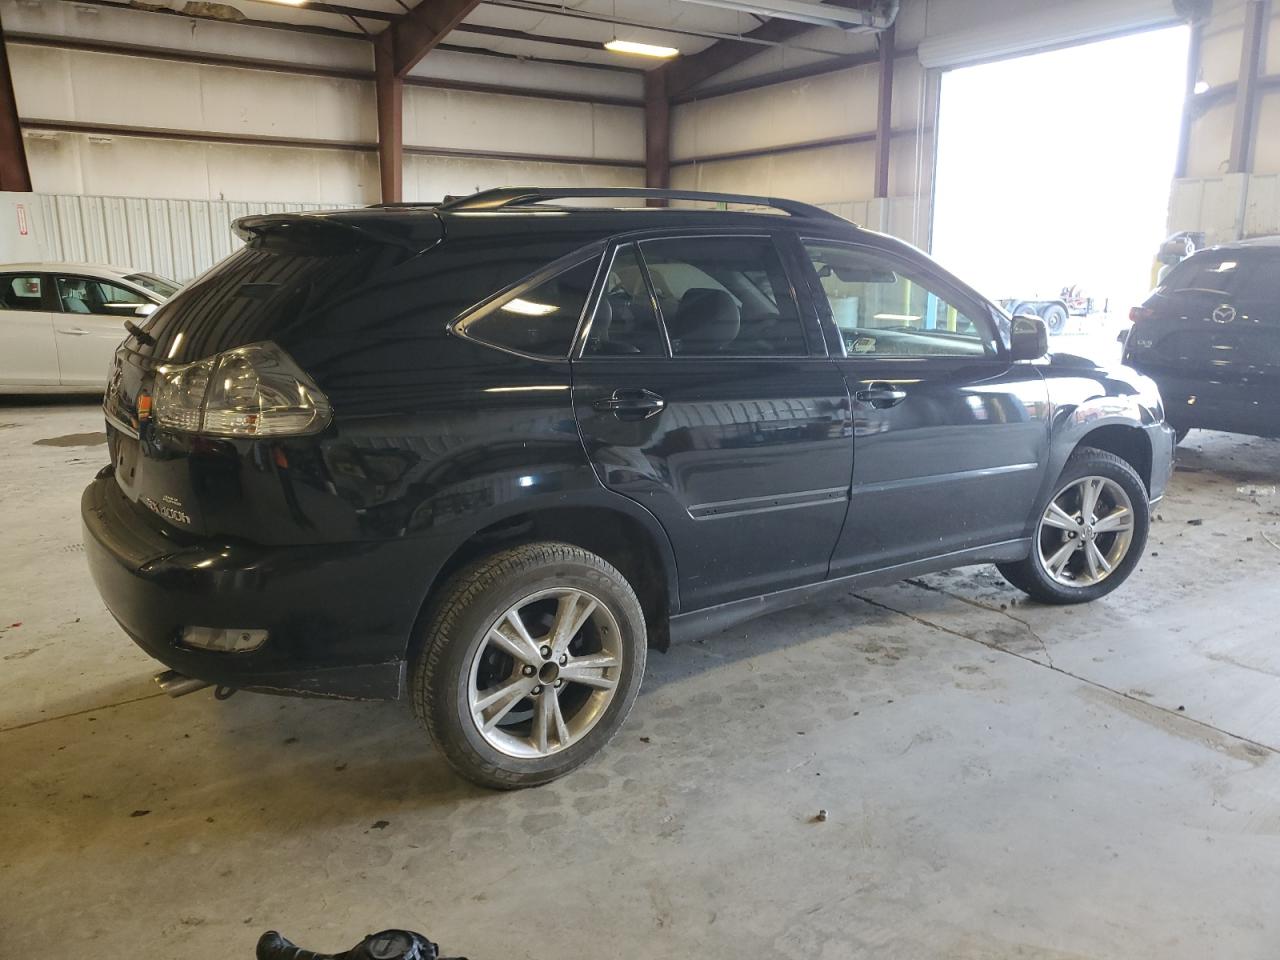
(1140, 313)
(252, 391)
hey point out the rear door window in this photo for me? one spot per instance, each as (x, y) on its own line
(21, 292)
(86, 295)
(625, 323)
(540, 320)
(724, 296)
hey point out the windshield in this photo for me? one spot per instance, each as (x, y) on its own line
(155, 283)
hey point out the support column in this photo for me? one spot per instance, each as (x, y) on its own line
(14, 173)
(390, 97)
(1193, 77)
(884, 114)
(1256, 19)
(657, 130)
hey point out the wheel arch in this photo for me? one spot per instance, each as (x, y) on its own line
(623, 534)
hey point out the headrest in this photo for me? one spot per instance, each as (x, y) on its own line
(705, 320)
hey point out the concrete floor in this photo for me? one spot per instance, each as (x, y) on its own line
(1004, 780)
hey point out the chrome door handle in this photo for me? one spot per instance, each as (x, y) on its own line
(74, 332)
(881, 395)
(631, 404)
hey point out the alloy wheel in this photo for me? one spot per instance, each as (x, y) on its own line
(545, 673)
(1085, 532)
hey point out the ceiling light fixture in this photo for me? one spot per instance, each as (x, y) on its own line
(290, 3)
(640, 49)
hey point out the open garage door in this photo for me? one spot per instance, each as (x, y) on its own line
(1029, 31)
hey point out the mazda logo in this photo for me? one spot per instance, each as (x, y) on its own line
(1224, 314)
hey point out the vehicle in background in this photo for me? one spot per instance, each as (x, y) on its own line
(1209, 335)
(484, 454)
(60, 323)
(1054, 311)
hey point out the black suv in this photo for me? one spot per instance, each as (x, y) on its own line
(487, 452)
(1209, 335)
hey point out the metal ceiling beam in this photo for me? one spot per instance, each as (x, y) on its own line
(569, 13)
(418, 32)
(687, 72)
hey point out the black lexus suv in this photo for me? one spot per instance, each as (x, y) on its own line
(1209, 335)
(485, 453)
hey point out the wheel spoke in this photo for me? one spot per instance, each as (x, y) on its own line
(1117, 520)
(1091, 488)
(591, 671)
(547, 719)
(1091, 560)
(571, 615)
(542, 719)
(1099, 560)
(515, 640)
(502, 700)
(1055, 516)
(1059, 560)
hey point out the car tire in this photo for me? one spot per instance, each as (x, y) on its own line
(1055, 318)
(1120, 488)
(1179, 434)
(469, 656)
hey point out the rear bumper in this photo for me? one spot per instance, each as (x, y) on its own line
(339, 616)
(1237, 407)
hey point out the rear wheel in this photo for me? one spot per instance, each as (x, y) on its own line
(1091, 534)
(531, 663)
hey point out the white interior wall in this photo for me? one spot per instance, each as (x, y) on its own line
(1226, 206)
(104, 90)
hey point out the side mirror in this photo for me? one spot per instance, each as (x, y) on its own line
(1029, 338)
(145, 309)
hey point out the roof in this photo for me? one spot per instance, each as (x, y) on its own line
(47, 266)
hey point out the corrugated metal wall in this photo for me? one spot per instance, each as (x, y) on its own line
(1228, 207)
(174, 238)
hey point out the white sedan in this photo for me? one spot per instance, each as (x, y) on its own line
(60, 323)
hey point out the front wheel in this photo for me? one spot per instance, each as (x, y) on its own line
(531, 663)
(1091, 534)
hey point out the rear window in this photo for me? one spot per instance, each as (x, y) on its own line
(338, 291)
(1211, 271)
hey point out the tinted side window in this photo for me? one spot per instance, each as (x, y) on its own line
(20, 293)
(624, 323)
(540, 320)
(82, 295)
(724, 296)
(887, 308)
(1259, 286)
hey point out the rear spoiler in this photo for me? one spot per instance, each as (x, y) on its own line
(416, 234)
